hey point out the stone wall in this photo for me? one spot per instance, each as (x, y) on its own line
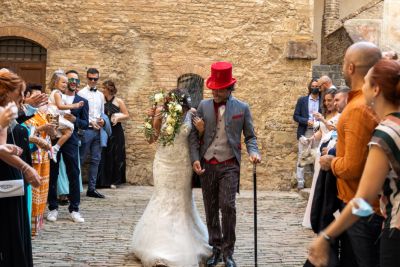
(362, 24)
(145, 45)
(333, 71)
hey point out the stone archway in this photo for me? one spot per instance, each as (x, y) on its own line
(24, 51)
(41, 38)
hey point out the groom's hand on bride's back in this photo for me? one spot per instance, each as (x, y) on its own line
(197, 168)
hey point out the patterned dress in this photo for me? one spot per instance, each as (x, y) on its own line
(387, 137)
(41, 163)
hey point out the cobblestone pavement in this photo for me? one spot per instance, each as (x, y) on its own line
(104, 238)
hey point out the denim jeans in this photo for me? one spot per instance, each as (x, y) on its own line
(91, 145)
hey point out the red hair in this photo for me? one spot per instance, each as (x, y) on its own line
(9, 82)
(386, 74)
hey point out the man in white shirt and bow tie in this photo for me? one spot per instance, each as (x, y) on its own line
(91, 138)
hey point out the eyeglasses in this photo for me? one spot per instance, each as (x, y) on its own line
(73, 80)
(93, 79)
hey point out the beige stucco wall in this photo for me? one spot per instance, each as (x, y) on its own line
(144, 45)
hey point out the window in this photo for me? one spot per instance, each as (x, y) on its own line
(18, 49)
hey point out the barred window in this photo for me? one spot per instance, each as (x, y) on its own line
(19, 49)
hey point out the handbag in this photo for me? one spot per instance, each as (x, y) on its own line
(12, 188)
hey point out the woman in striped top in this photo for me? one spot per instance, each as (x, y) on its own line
(381, 174)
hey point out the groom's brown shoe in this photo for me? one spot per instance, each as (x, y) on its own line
(215, 258)
(229, 262)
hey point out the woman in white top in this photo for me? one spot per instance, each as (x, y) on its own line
(327, 126)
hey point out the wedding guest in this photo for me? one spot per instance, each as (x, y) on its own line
(325, 83)
(15, 241)
(63, 181)
(322, 137)
(40, 132)
(59, 106)
(70, 154)
(112, 166)
(359, 245)
(304, 115)
(341, 97)
(382, 169)
(91, 139)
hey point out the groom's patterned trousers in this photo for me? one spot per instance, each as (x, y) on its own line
(219, 184)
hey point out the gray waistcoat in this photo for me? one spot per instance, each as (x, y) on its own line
(220, 148)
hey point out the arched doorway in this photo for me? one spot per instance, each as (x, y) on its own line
(24, 57)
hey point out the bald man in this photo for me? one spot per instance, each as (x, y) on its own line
(355, 128)
(325, 83)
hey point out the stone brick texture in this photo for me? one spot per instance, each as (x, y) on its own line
(331, 16)
(145, 45)
(336, 42)
(333, 71)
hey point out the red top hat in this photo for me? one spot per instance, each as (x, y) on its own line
(221, 76)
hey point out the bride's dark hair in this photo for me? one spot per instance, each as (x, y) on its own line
(183, 96)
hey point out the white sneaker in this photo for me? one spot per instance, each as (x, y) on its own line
(52, 215)
(76, 217)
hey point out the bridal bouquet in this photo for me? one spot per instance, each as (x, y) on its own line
(171, 116)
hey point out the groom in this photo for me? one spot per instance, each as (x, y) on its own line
(215, 155)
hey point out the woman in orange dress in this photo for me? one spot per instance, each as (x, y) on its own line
(40, 130)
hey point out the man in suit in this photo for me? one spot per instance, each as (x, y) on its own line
(216, 154)
(91, 139)
(304, 115)
(70, 152)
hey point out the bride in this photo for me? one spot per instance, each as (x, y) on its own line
(170, 231)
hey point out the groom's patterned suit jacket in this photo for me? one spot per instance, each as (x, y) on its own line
(237, 120)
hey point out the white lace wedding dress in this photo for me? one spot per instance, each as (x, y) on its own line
(170, 231)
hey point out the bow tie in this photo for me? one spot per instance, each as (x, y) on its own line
(93, 89)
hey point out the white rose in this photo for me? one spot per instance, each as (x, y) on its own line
(158, 97)
(169, 130)
(178, 108)
(147, 125)
(170, 120)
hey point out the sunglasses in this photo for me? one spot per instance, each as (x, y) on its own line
(73, 80)
(93, 79)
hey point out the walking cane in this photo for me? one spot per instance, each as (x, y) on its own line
(255, 212)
